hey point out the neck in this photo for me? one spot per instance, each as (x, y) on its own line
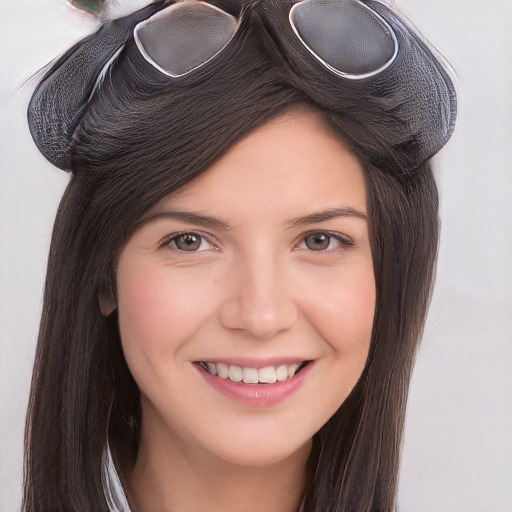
(170, 479)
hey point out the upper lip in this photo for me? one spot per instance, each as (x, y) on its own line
(254, 363)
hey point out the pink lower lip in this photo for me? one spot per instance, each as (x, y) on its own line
(258, 394)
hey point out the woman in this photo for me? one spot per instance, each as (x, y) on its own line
(242, 261)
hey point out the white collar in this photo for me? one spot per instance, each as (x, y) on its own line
(112, 486)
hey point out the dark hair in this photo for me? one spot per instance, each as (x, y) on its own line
(139, 139)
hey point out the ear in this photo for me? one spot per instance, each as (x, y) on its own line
(107, 303)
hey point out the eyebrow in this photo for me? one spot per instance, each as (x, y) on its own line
(193, 218)
(211, 222)
(325, 215)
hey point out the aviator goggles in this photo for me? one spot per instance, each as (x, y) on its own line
(348, 37)
(356, 48)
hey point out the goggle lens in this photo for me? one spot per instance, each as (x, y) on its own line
(184, 36)
(346, 36)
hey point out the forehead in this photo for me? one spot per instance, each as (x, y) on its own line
(293, 161)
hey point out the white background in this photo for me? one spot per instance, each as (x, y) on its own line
(458, 444)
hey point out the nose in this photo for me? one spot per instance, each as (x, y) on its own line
(260, 302)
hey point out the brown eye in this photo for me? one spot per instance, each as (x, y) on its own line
(188, 242)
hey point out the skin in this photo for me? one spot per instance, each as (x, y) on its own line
(257, 286)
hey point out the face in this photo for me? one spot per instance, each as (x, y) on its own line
(246, 299)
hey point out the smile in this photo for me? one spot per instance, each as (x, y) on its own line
(260, 386)
(250, 375)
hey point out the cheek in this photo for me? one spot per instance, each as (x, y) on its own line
(343, 315)
(159, 310)
(344, 318)
(355, 309)
(343, 309)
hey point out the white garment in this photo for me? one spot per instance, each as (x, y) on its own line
(112, 487)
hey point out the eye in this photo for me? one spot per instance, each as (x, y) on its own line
(188, 242)
(321, 241)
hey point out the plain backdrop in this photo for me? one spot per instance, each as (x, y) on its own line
(458, 441)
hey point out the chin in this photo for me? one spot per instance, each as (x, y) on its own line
(259, 454)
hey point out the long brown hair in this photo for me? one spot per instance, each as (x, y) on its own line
(140, 139)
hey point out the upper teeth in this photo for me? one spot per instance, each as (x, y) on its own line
(266, 375)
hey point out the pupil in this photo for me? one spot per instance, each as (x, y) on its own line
(188, 242)
(318, 241)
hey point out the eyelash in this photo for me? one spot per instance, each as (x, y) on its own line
(170, 241)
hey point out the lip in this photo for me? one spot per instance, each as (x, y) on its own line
(261, 395)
